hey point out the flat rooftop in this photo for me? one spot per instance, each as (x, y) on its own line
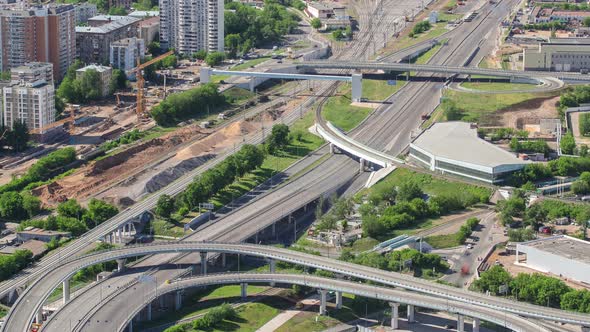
(458, 141)
(564, 246)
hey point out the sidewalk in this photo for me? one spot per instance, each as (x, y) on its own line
(286, 315)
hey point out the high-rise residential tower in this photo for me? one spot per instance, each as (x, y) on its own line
(192, 25)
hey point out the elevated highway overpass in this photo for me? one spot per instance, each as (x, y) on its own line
(31, 301)
(393, 296)
(536, 76)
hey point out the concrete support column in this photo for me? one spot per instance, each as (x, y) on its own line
(394, 315)
(120, 265)
(162, 301)
(66, 291)
(272, 265)
(148, 312)
(460, 323)
(119, 235)
(177, 300)
(361, 165)
(203, 263)
(323, 299)
(475, 325)
(205, 74)
(338, 300)
(331, 148)
(223, 260)
(357, 87)
(244, 290)
(256, 238)
(252, 83)
(39, 318)
(411, 313)
(274, 229)
(516, 259)
(130, 326)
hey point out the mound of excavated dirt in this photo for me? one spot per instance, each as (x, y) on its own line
(164, 178)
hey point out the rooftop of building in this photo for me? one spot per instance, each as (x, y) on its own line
(144, 13)
(98, 68)
(40, 231)
(567, 41)
(30, 66)
(324, 5)
(114, 23)
(150, 21)
(563, 246)
(459, 141)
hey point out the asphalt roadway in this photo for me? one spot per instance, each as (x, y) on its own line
(403, 115)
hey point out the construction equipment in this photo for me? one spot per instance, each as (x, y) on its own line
(138, 71)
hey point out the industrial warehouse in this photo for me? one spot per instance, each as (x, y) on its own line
(454, 147)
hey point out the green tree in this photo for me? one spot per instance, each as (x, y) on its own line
(521, 235)
(567, 144)
(587, 21)
(492, 279)
(278, 139)
(118, 80)
(316, 23)
(99, 212)
(214, 58)
(200, 55)
(18, 137)
(165, 206)
(31, 204)
(71, 209)
(409, 190)
(232, 44)
(11, 206)
(116, 10)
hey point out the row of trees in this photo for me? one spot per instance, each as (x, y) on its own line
(399, 260)
(128, 137)
(564, 166)
(582, 185)
(517, 145)
(18, 205)
(419, 28)
(13, 263)
(247, 27)
(534, 288)
(466, 229)
(72, 217)
(547, 26)
(213, 180)
(43, 169)
(191, 103)
(393, 208)
(497, 134)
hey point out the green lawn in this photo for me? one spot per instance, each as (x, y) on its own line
(3, 311)
(308, 321)
(379, 90)
(407, 41)
(483, 86)
(250, 63)
(364, 244)
(219, 78)
(250, 317)
(424, 58)
(232, 291)
(481, 106)
(237, 95)
(167, 228)
(443, 241)
(339, 112)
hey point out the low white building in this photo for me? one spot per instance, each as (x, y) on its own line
(561, 255)
(455, 148)
(105, 73)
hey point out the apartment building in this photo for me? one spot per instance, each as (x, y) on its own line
(104, 73)
(84, 11)
(29, 97)
(38, 34)
(125, 53)
(93, 42)
(190, 26)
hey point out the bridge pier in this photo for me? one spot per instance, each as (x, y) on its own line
(130, 326)
(244, 290)
(203, 263)
(223, 260)
(323, 299)
(120, 265)
(66, 291)
(39, 316)
(475, 325)
(357, 87)
(274, 229)
(177, 300)
(411, 313)
(394, 315)
(460, 323)
(148, 312)
(361, 165)
(205, 74)
(331, 148)
(338, 300)
(272, 265)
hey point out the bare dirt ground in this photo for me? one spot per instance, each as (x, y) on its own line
(535, 108)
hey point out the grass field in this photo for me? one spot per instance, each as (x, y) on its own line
(443, 241)
(339, 112)
(308, 321)
(250, 63)
(407, 41)
(379, 90)
(237, 95)
(249, 317)
(424, 58)
(478, 106)
(483, 86)
(364, 244)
